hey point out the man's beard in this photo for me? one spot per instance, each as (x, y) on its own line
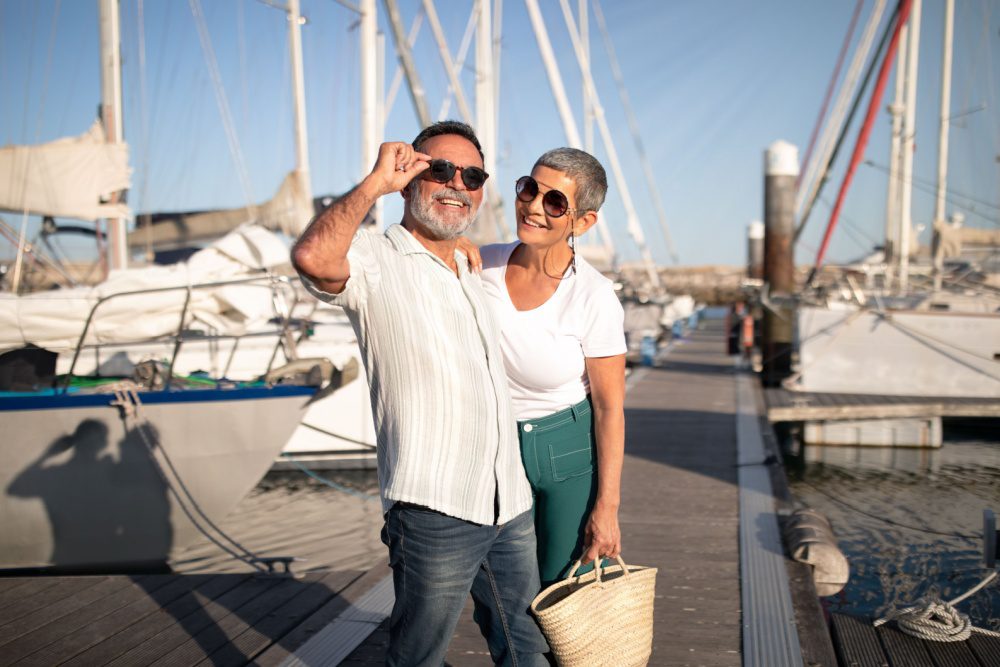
(436, 225)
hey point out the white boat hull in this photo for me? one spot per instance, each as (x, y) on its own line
(906, 353)
(81, 490)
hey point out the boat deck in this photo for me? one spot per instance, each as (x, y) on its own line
(687, 473)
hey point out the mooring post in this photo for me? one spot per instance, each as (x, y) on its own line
(781, 168)
(755, 250)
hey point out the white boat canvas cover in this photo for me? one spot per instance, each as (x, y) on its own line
(72, 177)
(55, 320)
(289, 211)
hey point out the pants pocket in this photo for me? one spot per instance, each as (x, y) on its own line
(571, 455)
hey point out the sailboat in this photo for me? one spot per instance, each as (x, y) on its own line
(887, 325)
(123, 470)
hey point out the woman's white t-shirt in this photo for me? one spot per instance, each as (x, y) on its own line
(544, 348)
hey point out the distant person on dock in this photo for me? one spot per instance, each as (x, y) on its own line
(563, 341)
(456, 500)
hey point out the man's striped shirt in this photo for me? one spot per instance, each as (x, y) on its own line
(447, 437)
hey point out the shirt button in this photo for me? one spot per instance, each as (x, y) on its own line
(527, 428)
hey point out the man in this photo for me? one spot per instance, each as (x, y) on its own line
(456, 501)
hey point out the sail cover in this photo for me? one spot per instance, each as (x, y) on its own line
(71, 177)
(54, 320)
(289, 211)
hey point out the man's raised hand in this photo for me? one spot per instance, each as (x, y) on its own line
(398, 164)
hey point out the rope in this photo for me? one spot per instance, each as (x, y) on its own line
(331, 484)
(127, 399)
(939, 621)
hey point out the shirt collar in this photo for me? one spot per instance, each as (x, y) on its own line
(403, 241)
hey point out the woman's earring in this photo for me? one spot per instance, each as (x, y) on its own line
(572, 247)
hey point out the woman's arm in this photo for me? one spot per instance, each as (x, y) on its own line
(602, 536)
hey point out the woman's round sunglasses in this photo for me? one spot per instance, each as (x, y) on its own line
(554, 203)
(442, 171)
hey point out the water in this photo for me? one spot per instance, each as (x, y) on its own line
(908, 520)
(332, 525)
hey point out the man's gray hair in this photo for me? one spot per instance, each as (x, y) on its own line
(588, 174)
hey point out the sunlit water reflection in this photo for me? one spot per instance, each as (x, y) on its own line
(908, 520)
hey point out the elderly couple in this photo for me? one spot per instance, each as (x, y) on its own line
(497, 385)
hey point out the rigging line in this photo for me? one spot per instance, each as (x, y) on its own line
(848, 89)
(143, 105)
(866, 128)
(397, 78)
(22, 238)
(829, 89)
(927, 185)
(855, 105)
(852, 223)
(223, 103)
(11, 234)
(327, 482)
(883, 519)
(633, 125)
(463, 52)
(918, 334)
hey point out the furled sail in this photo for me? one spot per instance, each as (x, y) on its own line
(55, 319)
(289, 211)
(71, 177)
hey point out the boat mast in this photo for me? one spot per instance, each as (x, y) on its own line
(405, 55)
(631, 217)
(909, 132)
(368, 30)
(892, 190)
(942, 181)
(299, 100)
(111, 116)
(562, 102)
(487, 103)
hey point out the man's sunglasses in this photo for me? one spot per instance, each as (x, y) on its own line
(554, 202)
(442, 171)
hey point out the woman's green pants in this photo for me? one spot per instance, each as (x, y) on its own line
(560, 458)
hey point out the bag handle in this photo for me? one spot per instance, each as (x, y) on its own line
(597, 567)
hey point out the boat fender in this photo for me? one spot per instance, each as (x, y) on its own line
(810, 539)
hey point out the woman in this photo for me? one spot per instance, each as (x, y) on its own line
(564, 350)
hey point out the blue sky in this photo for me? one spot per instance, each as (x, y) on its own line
(713, 82)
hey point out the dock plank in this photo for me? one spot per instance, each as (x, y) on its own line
(987, 649)
(150, 599)
(315, 622)
(133, 588)
(204, 586)
(857, 643)
(953, 654)
(41, 617)
(784, 405)
(29, 588)
(203, 619)
(231, 625)
(275, 625)
(51, 595)
(902, 649)
(860, 644)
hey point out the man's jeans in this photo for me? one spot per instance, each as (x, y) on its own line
(436, 561)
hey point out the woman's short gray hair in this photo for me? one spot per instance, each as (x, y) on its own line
(588, 174)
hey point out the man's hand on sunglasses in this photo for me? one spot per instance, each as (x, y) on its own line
(397, 165)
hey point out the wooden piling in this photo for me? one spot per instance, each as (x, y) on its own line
(781, 168)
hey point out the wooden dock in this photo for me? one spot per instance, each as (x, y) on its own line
(861, 644)
(791, 406)
(699, 460)
(680, 512)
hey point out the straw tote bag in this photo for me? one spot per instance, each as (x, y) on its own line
(603, 617)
